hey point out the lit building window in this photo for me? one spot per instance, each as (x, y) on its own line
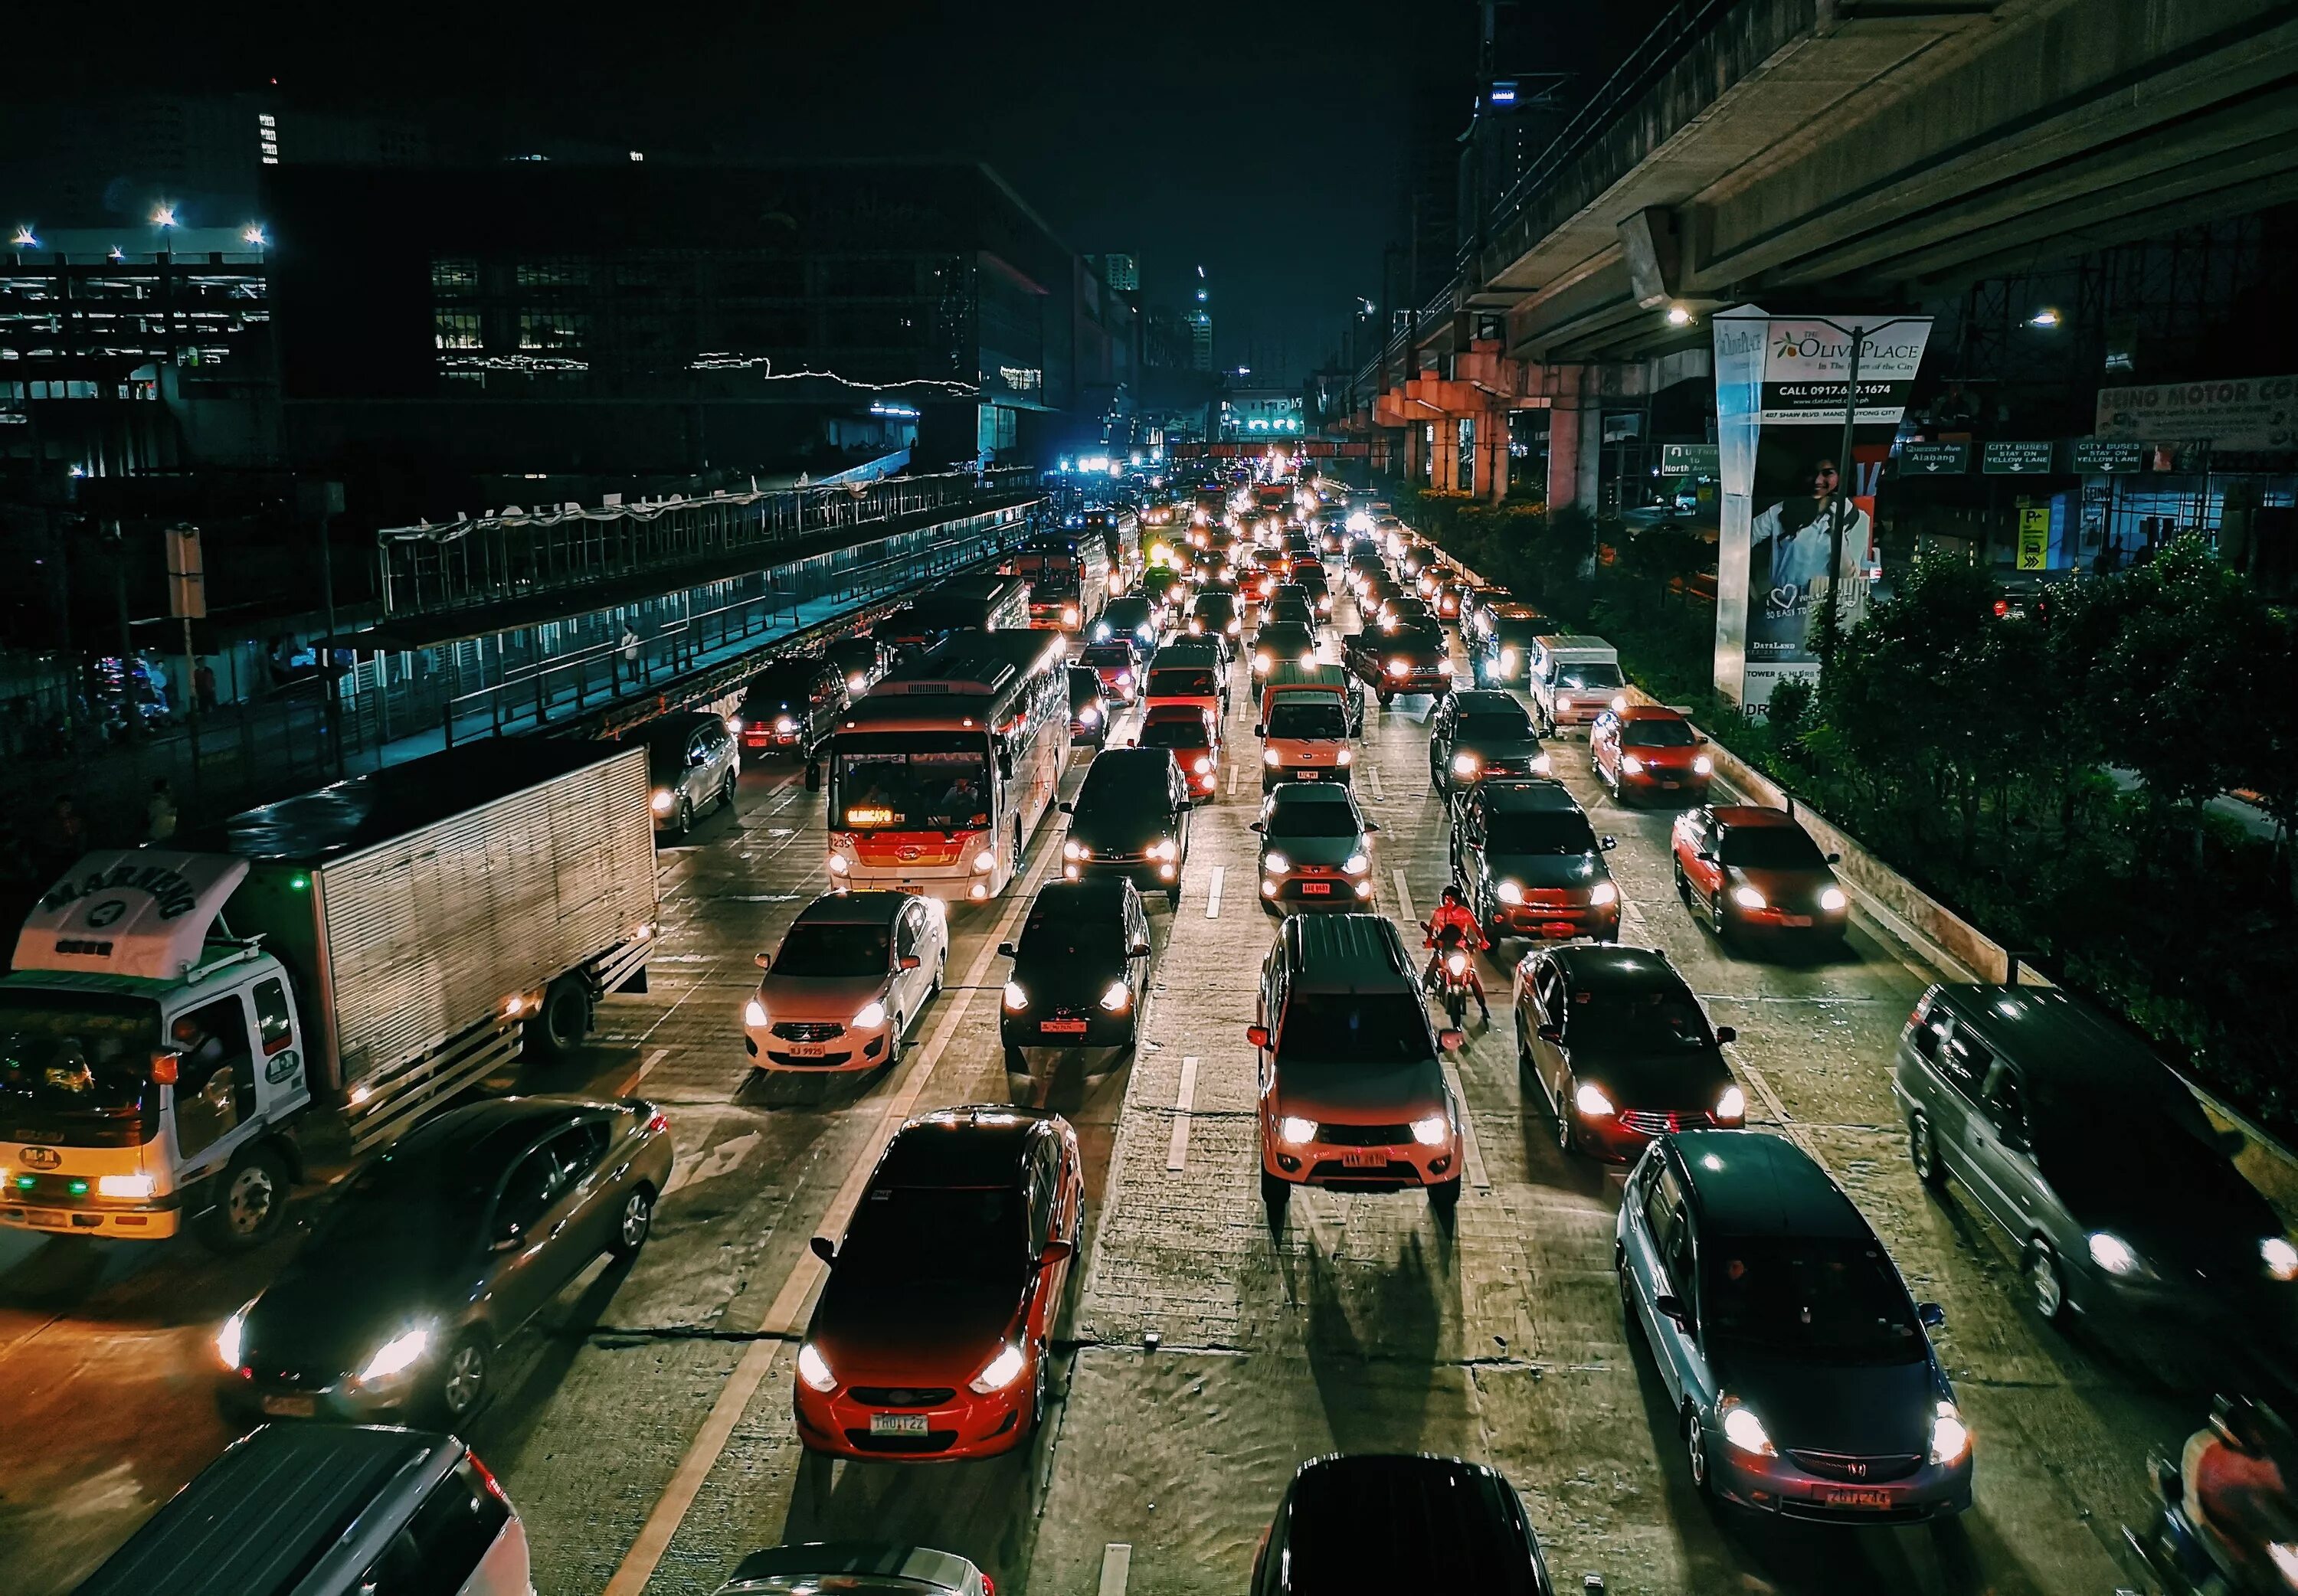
(456, 329)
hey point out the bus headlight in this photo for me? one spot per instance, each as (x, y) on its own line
(838, 864)
(1510, 892)
(1603, 895)
(985, 861)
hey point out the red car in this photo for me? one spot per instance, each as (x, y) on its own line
(1746, 868)
(1120, 671)
(1646, 751)
(1188, 731)
(929, 1338)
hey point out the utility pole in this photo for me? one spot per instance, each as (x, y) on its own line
(1841, 507)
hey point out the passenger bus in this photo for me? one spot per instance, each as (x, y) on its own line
(996, 602)
(1121, 534)
(938, 776)
(1068, 573)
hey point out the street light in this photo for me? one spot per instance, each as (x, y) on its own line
(2047, 317)
(1677, 316)
(163, 215)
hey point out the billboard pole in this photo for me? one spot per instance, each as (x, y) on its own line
(1841, 508)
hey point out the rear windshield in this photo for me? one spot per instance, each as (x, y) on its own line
(1657, 734)
(1067, 930)
(1307, 714)
(1496, 725)
(1539, 832)
(1588, 676)
(1807, 1297)
(1182, 681)
(1216, 606)
(833, 950)
(906, 1233)
(1116, 654)
(1175, 734)
(1386, 1028)
(1771, 848)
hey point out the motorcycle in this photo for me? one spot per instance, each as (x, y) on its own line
(1451, 978)
(2185, 1551)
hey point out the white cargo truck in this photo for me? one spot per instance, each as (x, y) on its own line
(372, 948)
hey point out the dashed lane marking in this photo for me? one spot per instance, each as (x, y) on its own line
(1214, 891)
(1403, 896)
(646, 1068)
(1471, 1153)
(1236, 770)
(1177, 1156)
(1372, 780)
(1116, 1569)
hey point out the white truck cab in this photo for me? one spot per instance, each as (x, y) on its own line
(1574, 679)
(151, 1065)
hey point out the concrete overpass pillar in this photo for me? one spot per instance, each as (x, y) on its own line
(1563, 453)
(1492, 454)
(1416, 453)
(1591, 453)
(1446, 474)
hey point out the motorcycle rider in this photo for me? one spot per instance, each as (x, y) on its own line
(2237, 1472)
(1454, 924)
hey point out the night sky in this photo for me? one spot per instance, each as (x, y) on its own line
(1267, 142)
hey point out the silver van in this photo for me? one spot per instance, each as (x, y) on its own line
(321, 1509)
(1574, 678)
(2097, 1162)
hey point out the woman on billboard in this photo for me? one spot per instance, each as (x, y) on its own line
(1787, 567)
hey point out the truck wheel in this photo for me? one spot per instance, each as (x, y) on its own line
(251, 1202)
(557, 1030)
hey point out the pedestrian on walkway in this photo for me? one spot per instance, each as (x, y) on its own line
(630, 650)
(203, 687)
(160, 813)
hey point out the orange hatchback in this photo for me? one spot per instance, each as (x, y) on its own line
(1748, 868)
(1646, 750)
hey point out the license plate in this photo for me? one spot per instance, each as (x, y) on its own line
(1317, 888)
(1370, 1158)
(1062, 1028)
(1558, 927)
(1671, 786)
(808, 1049)
(1795, 920)
(1305, 775)
(897, 1424)
(1856, 1499)
(291, 1407)
(47, 1216)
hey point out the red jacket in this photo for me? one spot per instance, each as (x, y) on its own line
(1450, 916)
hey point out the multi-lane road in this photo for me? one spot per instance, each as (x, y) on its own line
(643, 1425)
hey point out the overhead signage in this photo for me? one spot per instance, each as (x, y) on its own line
(1688, 459)
(2246, 413)
(2016, 459)
(1808, 370)
(2106, 456)
(1934, 460)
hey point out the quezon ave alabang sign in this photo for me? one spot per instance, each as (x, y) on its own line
(2243, 412)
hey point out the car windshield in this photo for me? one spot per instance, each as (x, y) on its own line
(1182, 681)
(76, 1060)
(1215, 607)
(1372, 1028)
(908, 1232)
(1072, 930)
(1539, 832)
(1175, 734)
(833, 950)
(1771, 848)
(1312, 820)
(1660, 1022)
(901, 782)
(772, 692)
(1508, 725)
(1584, 677)
(1832, 1297)
(1107, 654)
(1307, 714)
(1657, 734)
(425, 1199)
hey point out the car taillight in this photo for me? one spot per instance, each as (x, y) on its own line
(660, 1122)
(487, 1478)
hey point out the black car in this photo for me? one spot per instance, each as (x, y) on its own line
(1079, 971)
(1282, 642)
(1413, 661)
(1130, 819)
(1088, 709)
(1480, 734)
(1394, 1522)
(794, 703)
(1620, 1047)
(862, 660)
(1218, 612)
(1531, 865)
(439, 1250)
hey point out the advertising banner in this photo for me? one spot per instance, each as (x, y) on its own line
(2247, 412)
(1781, 387)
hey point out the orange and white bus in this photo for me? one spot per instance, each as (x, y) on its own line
(939, 775)
(1069, 576)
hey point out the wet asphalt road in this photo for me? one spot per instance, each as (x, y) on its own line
(1361, 1325)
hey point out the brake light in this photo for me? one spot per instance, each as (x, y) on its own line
(660, 1122)
(487, 1477)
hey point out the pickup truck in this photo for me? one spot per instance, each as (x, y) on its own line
(1416, 659)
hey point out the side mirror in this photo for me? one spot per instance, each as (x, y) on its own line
(824, 1249)
(762, 960)
(1255, 826)
(1931, 1314)
(1451, 1041)
(910, 961)
(1260, 728)
(1551, 1033)
(1067, 808)
(1370, 827)
(1835, 858)
(1005, 950)
(1726, 1033)
(510, 1238)
(1257, 1036)
(1005, 766)
(1140, 950)
(1706, 855)
(1055, 1251)
(1609, 843)
(1670, 1306)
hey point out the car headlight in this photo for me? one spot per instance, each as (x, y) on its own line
(1510, 892)
(1275, 862)
(2117, 1256)
(1950, 1436)
(230, 1338)
(1702, 766)
(1118, 996)
(1834, 901)
(753, 1014)
(1000, 1371)
(1431, 1130)
(1271, 757)
(1603, 895)
(1165, 848)
(784, 724)
(873, 1013)
(985, 861)
(1747, 898)
(858, 682)
(1590, 1100)
(1563, 702)
(813, 1370)
(1355, 864)
(135, 1188)
(1088, 716)
(1296, 1131)
(1630, 765)
(1015, 998)
(1397, 668)
(1733, 1104)
(1744, 1430)
(1204, 764)
(1069, 614)
(1261, 662)
(664, 802)
(1235, 627)
(1508, 661)
(838, 864)
(397, 1355)
(1125, 678)
(1076, 850)
(2280, 1258)
(1465, 764)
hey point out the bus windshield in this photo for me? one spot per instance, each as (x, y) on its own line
(925, 781)
(79, 1064)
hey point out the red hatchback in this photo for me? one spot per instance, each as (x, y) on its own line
(929, 1338)
(1646, 750)
(1188, 731)
(1745, 868)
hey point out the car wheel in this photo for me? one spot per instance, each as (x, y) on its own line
(685, 815)
(1631, 1321)
(1275, 1193)
(2047, 1286)
(1922, 1152)
(726, 792)
(1695, 1451)
(1683, 884)
(1385, 698)
(1716, 912)
(251, 1202)
(1567, 1132)
(1444, 1196)
(634, 1223)
(894, 1045)
(1038, 1394)
(463, 1380)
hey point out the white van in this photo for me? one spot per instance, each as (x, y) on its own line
(330, 1509)
(1573, 679)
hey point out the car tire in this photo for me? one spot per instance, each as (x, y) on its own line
(726, 792)
(1922, 1152)
(1385, 697)
(634, 1223)
(685, 826)
(1275, 1194)
(1632, 1323)
(1444, 1196)
(462, 1387)
(1695, 1452)
(1567, 1132)
(1683, 884)
(251, 1201)
(2046, 1282)
(893, 1059)
(1715, 915)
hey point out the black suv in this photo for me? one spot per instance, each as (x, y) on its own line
(1130, 818)
(1482, 733)
(1079, 971)
(793, 703)
(1377, 1522)
(1531, 865)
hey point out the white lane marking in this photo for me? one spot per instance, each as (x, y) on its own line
(645, 1068)
(783, 1317)
(723, 1159)
(1471, 1153)
(1212, 892)
(1403, 896)
(1372, 780)
(1236, 770)
(1116, 1569)
(1177, 1156)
